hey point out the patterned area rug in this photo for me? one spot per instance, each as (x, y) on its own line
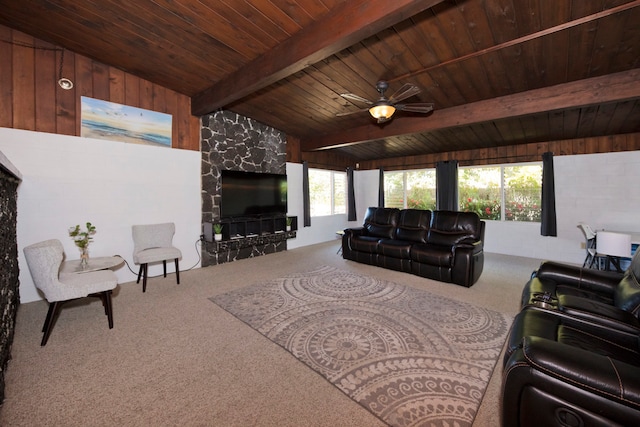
(410, 357)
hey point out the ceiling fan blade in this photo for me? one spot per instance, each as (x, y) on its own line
(407, 90)
(355, 97)
(418, 107)
(352, 112)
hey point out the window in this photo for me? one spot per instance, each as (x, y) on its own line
(479, 191)
(327, 192)
(339, 192)
(509, 193)
(523, 193)
(410, 189)
(394, 185)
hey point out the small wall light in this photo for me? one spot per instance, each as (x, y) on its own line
(63, 82)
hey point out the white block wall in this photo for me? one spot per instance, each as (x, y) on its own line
(70, 180)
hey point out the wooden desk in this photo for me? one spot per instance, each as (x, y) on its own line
(94, 264)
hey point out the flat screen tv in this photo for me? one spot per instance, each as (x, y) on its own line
(251, 194)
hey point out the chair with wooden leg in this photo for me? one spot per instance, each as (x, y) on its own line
(44, 260)
(154, 243)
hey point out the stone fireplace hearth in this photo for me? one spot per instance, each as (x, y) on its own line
(232, 142)
(9, 283)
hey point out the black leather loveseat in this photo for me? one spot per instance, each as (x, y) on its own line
(440, 245)
(573, 354)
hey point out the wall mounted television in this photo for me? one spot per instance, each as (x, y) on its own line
(252, 194)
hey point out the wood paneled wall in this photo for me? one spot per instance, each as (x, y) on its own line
(512, 154)
(487, 156)
(31, 99)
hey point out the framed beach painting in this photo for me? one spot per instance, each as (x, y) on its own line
(117, 122)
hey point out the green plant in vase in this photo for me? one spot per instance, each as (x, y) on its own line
(289, 221)
(82, 238)
(217, 232)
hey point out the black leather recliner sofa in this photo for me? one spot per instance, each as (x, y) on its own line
(440, 245)
(573, 354)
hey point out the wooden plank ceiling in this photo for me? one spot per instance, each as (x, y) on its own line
(500, 72)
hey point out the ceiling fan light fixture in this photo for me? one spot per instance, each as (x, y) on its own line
(382, 111)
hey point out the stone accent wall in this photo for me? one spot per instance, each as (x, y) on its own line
(230, 141)
(9, 292)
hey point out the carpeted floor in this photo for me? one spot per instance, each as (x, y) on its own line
(174, 358)
(411, 357)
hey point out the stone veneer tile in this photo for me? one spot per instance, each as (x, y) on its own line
(230, 141)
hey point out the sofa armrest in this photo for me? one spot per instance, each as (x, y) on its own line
(596, 312)
(473, 244)
(599, 374)
(603, 282)
(355, 231)
(545, 377)
(351, 234)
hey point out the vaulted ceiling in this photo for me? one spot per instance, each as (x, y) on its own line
(499, 72)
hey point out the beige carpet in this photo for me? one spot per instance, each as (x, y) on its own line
(411, 357)
(175, 359)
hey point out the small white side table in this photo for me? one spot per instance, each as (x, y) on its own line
(99, 263)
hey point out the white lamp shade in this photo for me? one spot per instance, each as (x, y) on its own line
(613, 244)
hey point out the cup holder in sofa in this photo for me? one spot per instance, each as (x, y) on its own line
(544, 300)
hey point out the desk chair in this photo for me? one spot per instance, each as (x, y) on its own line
(154, 243)
(44, 260)
(590, 245)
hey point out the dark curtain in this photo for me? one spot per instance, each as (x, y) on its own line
(548, 226)
(351, 197)
(447, 185)
(381, 189)
(306, 201)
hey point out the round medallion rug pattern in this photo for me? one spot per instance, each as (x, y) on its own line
(410, 357)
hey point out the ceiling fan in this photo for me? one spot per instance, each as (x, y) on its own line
(384, 107)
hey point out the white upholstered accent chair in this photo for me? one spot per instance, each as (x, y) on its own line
(44, 260)
(154, 243)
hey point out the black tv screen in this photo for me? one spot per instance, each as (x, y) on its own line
(250, 194)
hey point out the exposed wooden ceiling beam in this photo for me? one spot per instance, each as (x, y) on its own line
(547, 31)
(598, 90)
(344, 26)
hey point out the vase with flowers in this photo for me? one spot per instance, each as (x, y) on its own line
(82, 238)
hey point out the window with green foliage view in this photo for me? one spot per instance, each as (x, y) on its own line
(523, 193)
(479, 191)
(414, 189)
(509, 193)
(327, 192)
(500, 193)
